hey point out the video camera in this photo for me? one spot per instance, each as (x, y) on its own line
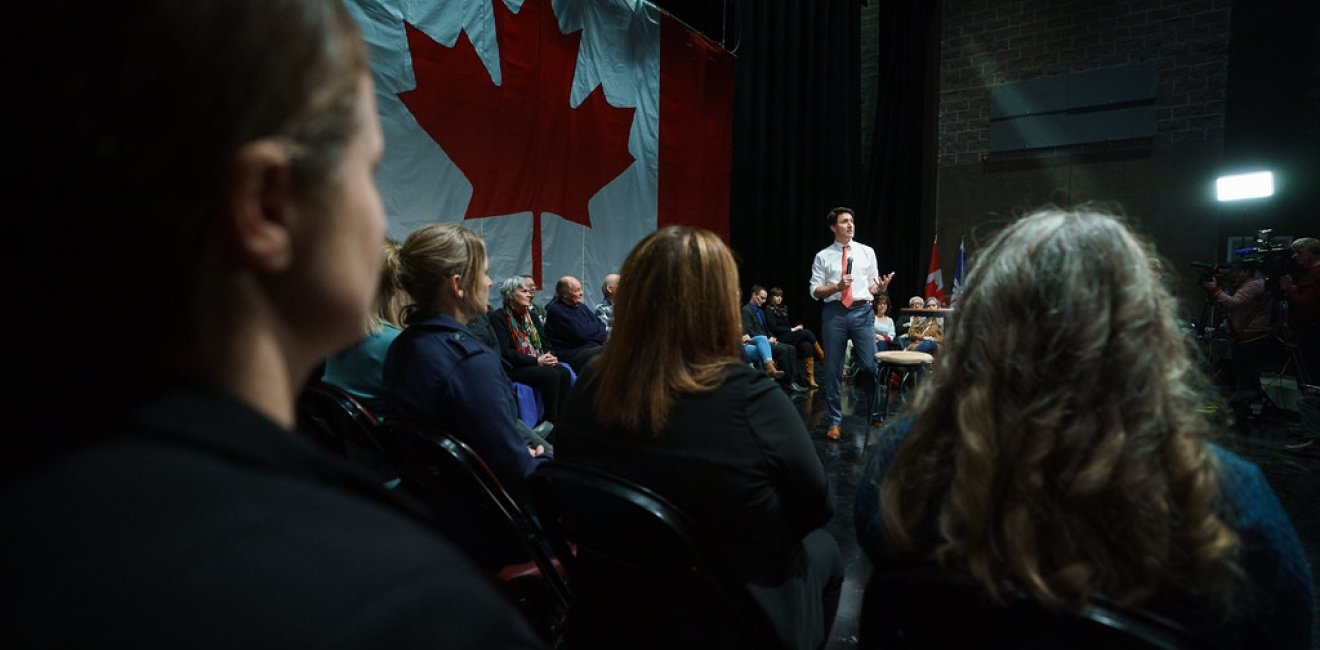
(1264, 254)
(1271, 258)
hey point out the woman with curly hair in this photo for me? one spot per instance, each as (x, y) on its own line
(1065, 459)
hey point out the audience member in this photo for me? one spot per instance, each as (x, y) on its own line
(605, 310)
(753, 323)
(522, 344)
(438, 371)
(536, 309)
(574, 332)
(359, 368)
(1067, 457)
(669, 405)
(925, 333)
(884, 325)
(801, 338)
(206, 172)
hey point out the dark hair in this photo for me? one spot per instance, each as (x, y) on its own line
(776, 291)
(130, 128)
(756, 288)
(833, 216)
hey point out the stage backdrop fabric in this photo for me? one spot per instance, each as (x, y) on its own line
(563, 132)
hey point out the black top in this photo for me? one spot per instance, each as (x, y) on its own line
(206, 525)
(737, 460)
(507, 345)
(777, 321)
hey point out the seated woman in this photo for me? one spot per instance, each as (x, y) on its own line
(925, 334)
(669, 404)
(782, 328)
(359, 368)
(884, 325)
(915, 302)
(1067, 458)
(521, 342)
(154, 489)
(437, 370)
(934, 303)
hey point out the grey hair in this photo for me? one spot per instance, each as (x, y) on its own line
(511, 285)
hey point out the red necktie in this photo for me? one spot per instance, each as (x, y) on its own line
(847, 291)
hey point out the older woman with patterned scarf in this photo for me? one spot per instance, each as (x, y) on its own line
(523, 346)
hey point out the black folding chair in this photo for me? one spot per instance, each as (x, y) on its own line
(641, 577)
(921, 605)
(338, 421)
(479, 515)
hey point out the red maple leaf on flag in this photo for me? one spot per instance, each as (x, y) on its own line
(521, 144)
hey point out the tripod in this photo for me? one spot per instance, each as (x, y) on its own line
(1211, 344)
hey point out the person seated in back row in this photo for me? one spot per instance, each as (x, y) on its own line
(575, 334)
(754, 327)
(798, 336)
(522, 344)
(359, 369)
(1067, 458)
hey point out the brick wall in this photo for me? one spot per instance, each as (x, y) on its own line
(988, 42)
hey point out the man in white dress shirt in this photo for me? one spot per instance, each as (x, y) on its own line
(846, 277)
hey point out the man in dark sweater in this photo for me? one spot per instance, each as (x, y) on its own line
(575, 334)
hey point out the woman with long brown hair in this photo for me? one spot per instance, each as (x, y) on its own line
(670, 404)
(1065, 457)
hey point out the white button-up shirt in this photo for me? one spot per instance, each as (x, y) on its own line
(827, 268)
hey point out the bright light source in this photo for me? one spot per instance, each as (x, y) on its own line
(1255, 185)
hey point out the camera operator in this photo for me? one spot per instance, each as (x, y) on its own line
(1248, 311)
(1302, 289)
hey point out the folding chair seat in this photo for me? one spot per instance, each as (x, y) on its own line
(641, 577)
(475, 511)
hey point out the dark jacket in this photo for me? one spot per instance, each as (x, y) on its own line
(508, 345)
(206, 525)
(753, 321)
(570, 329)
(437, 371)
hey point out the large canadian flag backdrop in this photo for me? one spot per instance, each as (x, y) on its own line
(563, 132)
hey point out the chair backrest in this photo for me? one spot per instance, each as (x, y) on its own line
(337, 420)
(470, 503)
(641, 577)
(922, 605)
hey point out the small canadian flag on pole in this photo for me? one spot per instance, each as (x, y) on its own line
(935, 276)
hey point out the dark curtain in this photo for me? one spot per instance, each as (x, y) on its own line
(899, 195)
(796, 139)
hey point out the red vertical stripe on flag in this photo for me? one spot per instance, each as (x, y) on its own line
(696, 136)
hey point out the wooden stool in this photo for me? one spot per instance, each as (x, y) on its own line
(906, 364)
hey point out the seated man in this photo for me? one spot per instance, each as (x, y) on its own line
(605, 310)
(575, 334)
(753, 322)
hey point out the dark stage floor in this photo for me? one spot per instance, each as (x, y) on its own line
(1295, 479)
